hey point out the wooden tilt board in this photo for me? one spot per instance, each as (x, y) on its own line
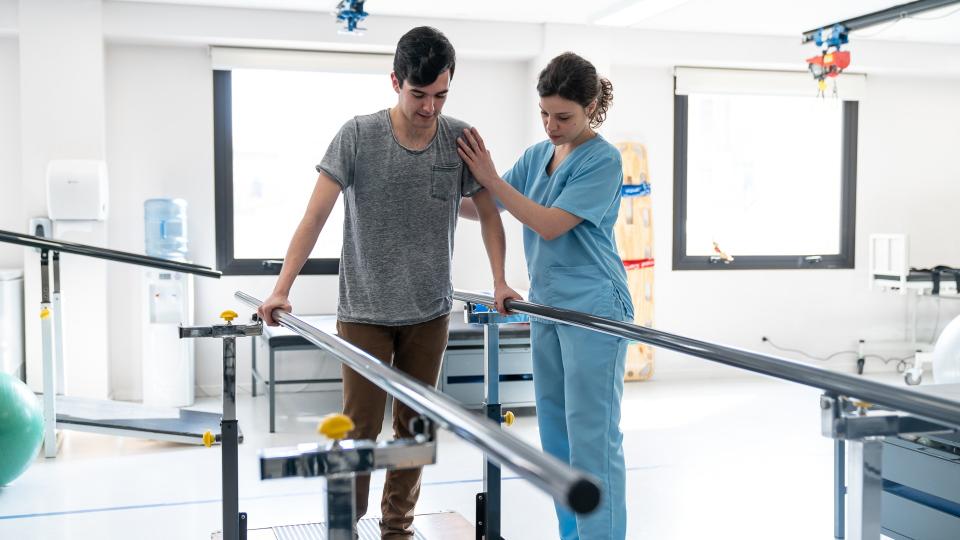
(634, 233)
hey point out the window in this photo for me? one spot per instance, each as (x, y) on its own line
(762, 180)
(271, 128)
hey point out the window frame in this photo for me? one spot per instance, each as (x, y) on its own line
(227, 263)
(848, 185)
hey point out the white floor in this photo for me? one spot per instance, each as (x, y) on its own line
(707, 459)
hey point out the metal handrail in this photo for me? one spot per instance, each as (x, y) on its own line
(63, 246)
(572, 488)
(927, 406)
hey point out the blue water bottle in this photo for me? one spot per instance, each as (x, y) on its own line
(165, 222)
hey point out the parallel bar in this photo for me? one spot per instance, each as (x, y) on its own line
(574, 489)
(104, 253)
(49, 360)
(229, 378)
(927, 406)
(265, 382)
(896, 12)
(839, 488)
(346, 458)
(229, 480)
(341, 507)
(58, 326)
(491, 388)
(865, 460)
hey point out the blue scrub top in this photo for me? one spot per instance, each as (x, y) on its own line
(581, 269)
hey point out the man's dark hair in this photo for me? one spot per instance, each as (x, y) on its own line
(422, 55)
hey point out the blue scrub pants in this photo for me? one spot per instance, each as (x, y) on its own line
(578, 378)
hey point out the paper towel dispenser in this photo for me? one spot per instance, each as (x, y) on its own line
(77, 189)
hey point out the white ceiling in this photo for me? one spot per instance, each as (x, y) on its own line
(752, 17)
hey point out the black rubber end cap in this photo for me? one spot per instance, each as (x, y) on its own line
(583, 497)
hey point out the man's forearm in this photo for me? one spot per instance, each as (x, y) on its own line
(324, 196)
(304, 238)
(494, 239)
(496, 244)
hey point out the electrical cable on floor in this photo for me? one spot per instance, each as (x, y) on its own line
(901, 362)
(941, 16)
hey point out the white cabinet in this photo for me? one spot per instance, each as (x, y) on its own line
(11, 322)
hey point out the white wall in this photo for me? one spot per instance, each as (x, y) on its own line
(62, 116)
(11, 192)
(906, 183)
(305, 30)
(9, 13)
(490, 95)
(159, 144)
(910, 178)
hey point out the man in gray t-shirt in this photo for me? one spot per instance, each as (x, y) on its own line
(401, 208)
(402, 181)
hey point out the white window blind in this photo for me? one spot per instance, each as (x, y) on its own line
(690, 80)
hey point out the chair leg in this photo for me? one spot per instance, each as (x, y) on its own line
(253, 365)
(272, 390)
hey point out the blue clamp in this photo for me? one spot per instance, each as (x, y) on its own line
(482, 314)
(635, 190)
(351, 13)
(832, 37)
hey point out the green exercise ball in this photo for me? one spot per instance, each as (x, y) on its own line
(21, 428)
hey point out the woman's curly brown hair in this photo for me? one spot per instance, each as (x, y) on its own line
(573, 77)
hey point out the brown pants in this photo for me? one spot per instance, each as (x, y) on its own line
(417, 350)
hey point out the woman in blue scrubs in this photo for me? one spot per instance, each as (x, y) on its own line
(566, 191)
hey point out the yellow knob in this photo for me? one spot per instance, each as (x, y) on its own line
(208, 438)
(44, 313)
(335, 426)
(862, 404)
(229, 315)
(509, 418)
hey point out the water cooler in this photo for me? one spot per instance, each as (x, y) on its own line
(168, 361)
(11, 322)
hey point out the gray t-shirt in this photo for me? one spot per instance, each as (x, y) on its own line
(401, 210)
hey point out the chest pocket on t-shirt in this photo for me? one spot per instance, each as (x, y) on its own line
(445, 181)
